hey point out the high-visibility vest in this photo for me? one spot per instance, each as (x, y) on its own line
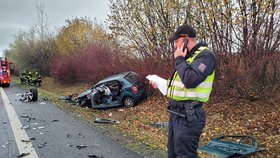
(177, 90)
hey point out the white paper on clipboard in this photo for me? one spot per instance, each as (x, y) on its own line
(161, 83)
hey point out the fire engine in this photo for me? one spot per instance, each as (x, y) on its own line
(5, 71)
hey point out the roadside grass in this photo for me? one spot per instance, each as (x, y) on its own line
(234, 116)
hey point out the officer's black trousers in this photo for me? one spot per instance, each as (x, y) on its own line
(183, 135)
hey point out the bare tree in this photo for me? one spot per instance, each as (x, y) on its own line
(143, 27)
(243, 33)
(41, 26)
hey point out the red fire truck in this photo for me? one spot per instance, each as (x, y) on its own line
(5, 71)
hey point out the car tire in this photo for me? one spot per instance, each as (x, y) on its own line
(128, 102)
(34, 92)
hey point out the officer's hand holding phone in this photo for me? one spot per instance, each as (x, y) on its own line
(181, 50)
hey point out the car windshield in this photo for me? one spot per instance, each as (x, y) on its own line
(131, 77)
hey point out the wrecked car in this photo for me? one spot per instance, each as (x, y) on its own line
(123, 89)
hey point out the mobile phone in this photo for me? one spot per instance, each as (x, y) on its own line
(185, 41)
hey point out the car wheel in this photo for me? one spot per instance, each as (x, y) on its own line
(128, 102)
(34, 94)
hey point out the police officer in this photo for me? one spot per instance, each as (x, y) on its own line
(188, 88)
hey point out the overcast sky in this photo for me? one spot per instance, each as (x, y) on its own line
(16, 15)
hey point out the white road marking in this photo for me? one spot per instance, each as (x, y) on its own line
(19, 134)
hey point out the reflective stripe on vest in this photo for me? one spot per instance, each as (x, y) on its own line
(178, 91)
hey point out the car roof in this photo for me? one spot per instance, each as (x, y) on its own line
(115, 77)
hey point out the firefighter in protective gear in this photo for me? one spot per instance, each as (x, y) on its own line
(37, 75)
(37, 79)
(188, 88)
(23, 77)
(29, 77)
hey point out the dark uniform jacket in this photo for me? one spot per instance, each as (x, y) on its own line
(191, 75)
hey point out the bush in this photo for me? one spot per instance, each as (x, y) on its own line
(252, 76)
(88, 66)
(150, 65)
(99, 61)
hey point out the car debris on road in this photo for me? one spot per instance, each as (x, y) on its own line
(94, 156)
(31, 95)
(227, 146)
(25, 127)
(4, 145)
(25, 141)
(68, 97)
(24, 116)
(23, 155)
(42, 145)
(81, 146)
(106, 120)
(160, 124)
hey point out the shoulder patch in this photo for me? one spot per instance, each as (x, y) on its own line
(201, 67)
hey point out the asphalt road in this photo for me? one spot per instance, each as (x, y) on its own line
(40, 129)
